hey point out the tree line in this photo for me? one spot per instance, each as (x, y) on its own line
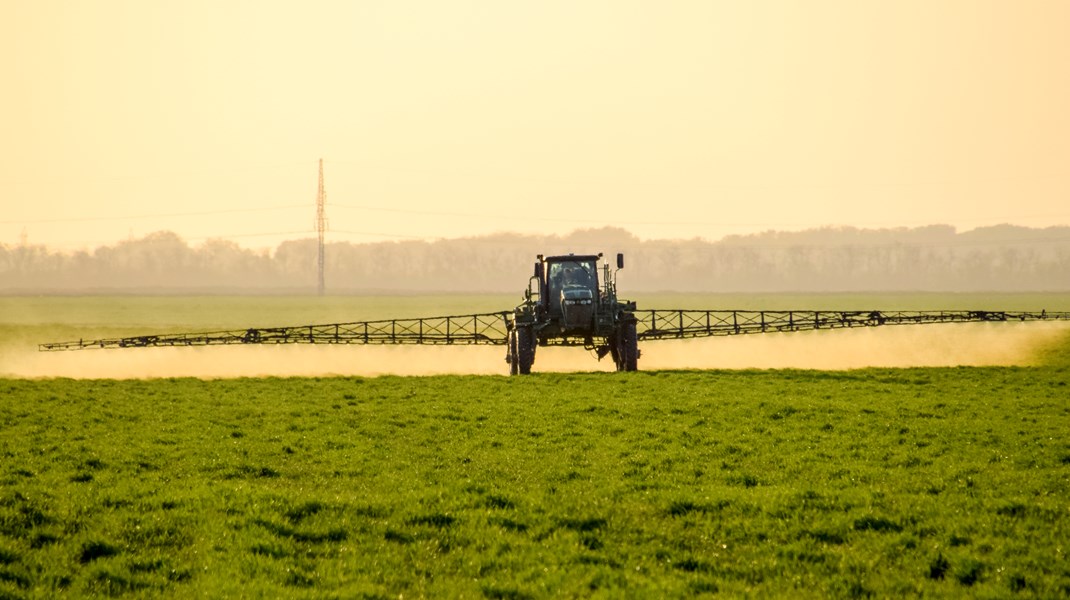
(931, 258)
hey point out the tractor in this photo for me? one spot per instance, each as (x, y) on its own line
(565, 304)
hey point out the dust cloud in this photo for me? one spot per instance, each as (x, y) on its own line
(984, 344)
(946, 345)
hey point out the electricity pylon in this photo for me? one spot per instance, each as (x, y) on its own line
(321, 226)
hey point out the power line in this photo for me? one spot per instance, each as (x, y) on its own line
(234, 235)
(185, 238)
(380, 234)
(765, 182)
(151, 216)
(184, 174)
(512, 218)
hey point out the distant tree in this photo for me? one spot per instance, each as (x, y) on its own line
(842, 258)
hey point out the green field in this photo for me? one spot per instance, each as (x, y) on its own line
(885, 482)
(792, 483)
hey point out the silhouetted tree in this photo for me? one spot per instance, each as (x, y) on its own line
(934, 258)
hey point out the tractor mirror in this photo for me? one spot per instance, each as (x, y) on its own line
(620, 260)
(538, 270)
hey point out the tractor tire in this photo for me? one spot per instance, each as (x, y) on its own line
(525, 349)
(629, 345)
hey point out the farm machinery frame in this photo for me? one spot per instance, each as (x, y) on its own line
(571, 300)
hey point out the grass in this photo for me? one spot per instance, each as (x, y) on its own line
(876, 482)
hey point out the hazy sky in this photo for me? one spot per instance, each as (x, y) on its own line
(452, 118)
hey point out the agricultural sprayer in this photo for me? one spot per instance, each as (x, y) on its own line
(571, 300)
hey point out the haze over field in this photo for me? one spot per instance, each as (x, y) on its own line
(943, 346)
(28, 321)
(680, 120)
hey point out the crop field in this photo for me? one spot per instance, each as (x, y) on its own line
(886, 482)
(937, 481)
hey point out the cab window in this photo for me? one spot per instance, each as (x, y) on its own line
(572, 273)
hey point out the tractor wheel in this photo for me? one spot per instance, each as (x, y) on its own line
(511, 354)
(525, 349)
(629, 346)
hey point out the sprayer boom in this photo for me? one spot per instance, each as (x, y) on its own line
(669, 324)
(493, 328)
(484, 328)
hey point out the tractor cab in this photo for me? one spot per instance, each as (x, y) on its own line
(571, 290)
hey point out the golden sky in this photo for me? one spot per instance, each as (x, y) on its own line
(672, 119)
